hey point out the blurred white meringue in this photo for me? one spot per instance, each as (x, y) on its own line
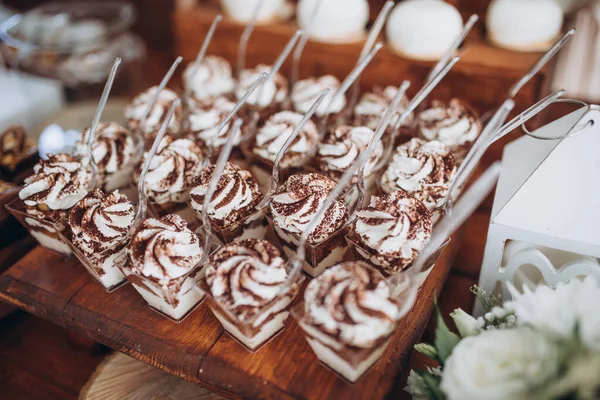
(337, 21)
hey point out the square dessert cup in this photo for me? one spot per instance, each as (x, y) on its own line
(256, 331)
(319, 256)
(105, 266)
(47, 233)
(349, 362)
(174, 301)
(254, 226)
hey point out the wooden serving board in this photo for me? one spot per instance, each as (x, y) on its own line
(60, 290)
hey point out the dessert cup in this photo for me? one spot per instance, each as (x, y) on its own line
(306, 91)
(208, 80)
(272, 283)
(17, 153)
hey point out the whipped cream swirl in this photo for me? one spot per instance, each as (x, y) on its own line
(297, 201)
(57, 183)
(396, 227)
(235, 199)
(100, 222)
(14, 146)
(204, 120)
(172, 170)
(372, 105)
(271, 137)
(165, 249)
(305, 92)
(114, 149)
(245, 276)
(134, 112)
(454, 124)
(352, 303)
(423, 169)
(342, 146)
(213, 78)
(271, 93)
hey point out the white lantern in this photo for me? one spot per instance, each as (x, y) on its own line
(545, 222)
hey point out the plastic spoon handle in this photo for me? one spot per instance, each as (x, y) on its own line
(233, 112)
(245, 38)
(539, 64)
(302, 43)
(477, 151)
(207, 40)
(142, 208)
(99, 110)
(452, 50)
(376, 29)
(280, 60)
(527, 114)
(214, 181)
(161, 87)
(275, 175)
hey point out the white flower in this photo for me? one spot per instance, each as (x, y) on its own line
(466, 324)
(559, 311)
(499, 364)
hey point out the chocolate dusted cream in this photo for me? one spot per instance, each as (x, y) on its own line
(235, 199)
(15, 147)
(212, 79)
(422, 169)
(305, 92)
(298, 200)
(134, 112)
(271, 137)
(455, 124)
(203, 121)
(100, 222)
(392, 231)
(268, 98)
(115, 153)
(172, 170)
(342, 146)
(372, 105)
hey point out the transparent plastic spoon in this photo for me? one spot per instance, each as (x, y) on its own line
(275, 175)
(295, 75)
(161, 87)
(213, 183)
(142, 208)
(233, 112)
(89, 140)
(245, 38)
(465, 207)
(414, 103)
(347, 83)
(207, 40)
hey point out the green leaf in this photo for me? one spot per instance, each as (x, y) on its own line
(445, 340)
(488, 301)
(427, 350)
(433, 386)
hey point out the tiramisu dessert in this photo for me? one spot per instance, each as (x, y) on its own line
(373, 104)
(245, 285)
(292, 208)
(211, 79)
(455, 124)
(348, 316)
(269, 97)
(232, 210)
(422, 169)
(99, 226)
(115, 153)
(57, 184)
(391, 232)
(203, 121)
(148, 128)
(342, 146)
(172, 170)
(305, 92)
(16, 151)
(270, 139)
(163, 265)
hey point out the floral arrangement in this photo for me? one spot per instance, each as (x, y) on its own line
(543, 344)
